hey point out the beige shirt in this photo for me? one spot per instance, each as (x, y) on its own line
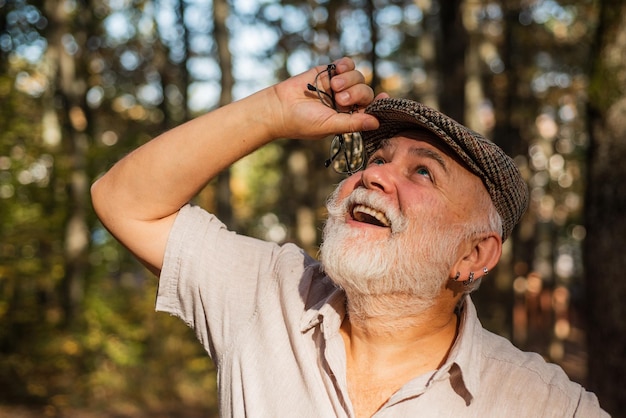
(270, 321)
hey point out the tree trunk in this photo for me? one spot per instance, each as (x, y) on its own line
(370, 7)
(454, 41)
(69, 83)
(604, 259)
(221, 11)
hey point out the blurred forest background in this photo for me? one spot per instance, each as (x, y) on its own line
(82, 82)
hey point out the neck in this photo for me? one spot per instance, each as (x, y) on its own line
(392, 313)
(395, 329)
(392, 342)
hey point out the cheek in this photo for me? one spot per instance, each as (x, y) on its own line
(420, 205)
(450, 206)
(348, 185)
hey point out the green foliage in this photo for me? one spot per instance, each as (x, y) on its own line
(256, 186)
(78, 329)
(109, 351)
(138, 359)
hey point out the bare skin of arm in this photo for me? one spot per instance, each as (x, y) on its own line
(138, 198)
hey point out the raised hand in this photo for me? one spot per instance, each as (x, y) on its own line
(320, 102)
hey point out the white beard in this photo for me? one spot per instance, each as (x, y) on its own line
(400, 275)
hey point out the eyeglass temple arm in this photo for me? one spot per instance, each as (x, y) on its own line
(319, 92)
(332, 158)
(330, 96)
(329, 70)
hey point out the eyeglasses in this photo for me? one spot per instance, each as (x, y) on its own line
(346, 150)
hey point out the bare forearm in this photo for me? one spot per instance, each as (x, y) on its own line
(158, 178)
(138, 199)
(150, 185)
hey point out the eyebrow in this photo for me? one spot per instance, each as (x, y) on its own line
(419, 152)
(431, 154)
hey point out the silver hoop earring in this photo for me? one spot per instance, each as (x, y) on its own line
(485, 271)
(470, 279)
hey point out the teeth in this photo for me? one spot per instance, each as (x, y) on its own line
(360, 210)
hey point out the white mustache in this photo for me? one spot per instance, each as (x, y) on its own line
(371, 199)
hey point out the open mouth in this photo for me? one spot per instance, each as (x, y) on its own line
(370, 216)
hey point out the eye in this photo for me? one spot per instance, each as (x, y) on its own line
(376, 161)
(423, 171)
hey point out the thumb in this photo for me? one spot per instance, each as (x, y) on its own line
(353, 122)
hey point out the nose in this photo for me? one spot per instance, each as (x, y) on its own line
(380, 177)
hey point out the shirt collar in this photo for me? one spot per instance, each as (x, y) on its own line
(331, 309)
(463, 364)
(464, 361)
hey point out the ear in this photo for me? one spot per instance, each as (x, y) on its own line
(480, 254)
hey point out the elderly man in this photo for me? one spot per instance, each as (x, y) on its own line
(384, 326)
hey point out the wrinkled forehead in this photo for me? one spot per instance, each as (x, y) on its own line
(424, 135)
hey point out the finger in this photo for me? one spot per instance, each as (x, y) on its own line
(345, 80)
(344, 64)
(355, 122)
(360, 95)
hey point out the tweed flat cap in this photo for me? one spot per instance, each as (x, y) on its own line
(498, 172)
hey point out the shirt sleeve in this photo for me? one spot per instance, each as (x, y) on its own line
(589, 406)
(212, 278)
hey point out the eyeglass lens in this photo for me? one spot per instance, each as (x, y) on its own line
(346, 153)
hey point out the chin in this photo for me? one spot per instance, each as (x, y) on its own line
(365, 265)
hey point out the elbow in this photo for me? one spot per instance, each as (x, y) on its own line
(103, 202)
(98, 200)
